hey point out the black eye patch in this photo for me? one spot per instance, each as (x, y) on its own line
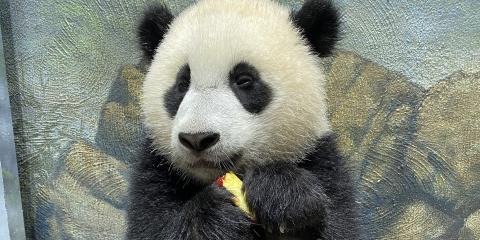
(251, 91)
(175, 95)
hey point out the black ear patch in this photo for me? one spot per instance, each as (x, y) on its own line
(319, 22)
(153, 27)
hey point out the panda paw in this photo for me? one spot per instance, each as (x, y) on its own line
(285, 198)
(213, 214)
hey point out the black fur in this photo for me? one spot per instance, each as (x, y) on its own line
(253, 93)
(153, 27)
(173, 98)
(314, 199)
(319, 22)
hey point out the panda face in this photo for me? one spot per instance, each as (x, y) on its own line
(233, 84)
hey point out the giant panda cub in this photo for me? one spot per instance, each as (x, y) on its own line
(236, 85)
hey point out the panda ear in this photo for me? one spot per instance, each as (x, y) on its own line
(152, 28)
(319, 23)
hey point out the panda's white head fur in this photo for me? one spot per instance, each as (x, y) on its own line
(235, 83)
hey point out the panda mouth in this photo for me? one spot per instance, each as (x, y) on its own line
(227, 164)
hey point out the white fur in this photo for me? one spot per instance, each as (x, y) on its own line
(212, 36)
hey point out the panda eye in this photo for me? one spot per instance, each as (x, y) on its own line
(183, 79)
(183, 85)
(244, 81)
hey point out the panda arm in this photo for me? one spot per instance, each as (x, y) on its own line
(285, 196)
(161, 206)
(312, 196)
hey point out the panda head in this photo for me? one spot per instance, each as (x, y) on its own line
(235, 83)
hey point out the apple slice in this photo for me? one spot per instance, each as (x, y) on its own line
(234, 185)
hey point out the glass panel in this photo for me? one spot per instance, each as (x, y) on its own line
(11, 216)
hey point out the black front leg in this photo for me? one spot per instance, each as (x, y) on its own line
(162, 206)
(286, 198)
(211, 215)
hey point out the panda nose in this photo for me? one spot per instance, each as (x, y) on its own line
(198, 141)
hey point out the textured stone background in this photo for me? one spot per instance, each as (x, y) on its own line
(403, 91)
